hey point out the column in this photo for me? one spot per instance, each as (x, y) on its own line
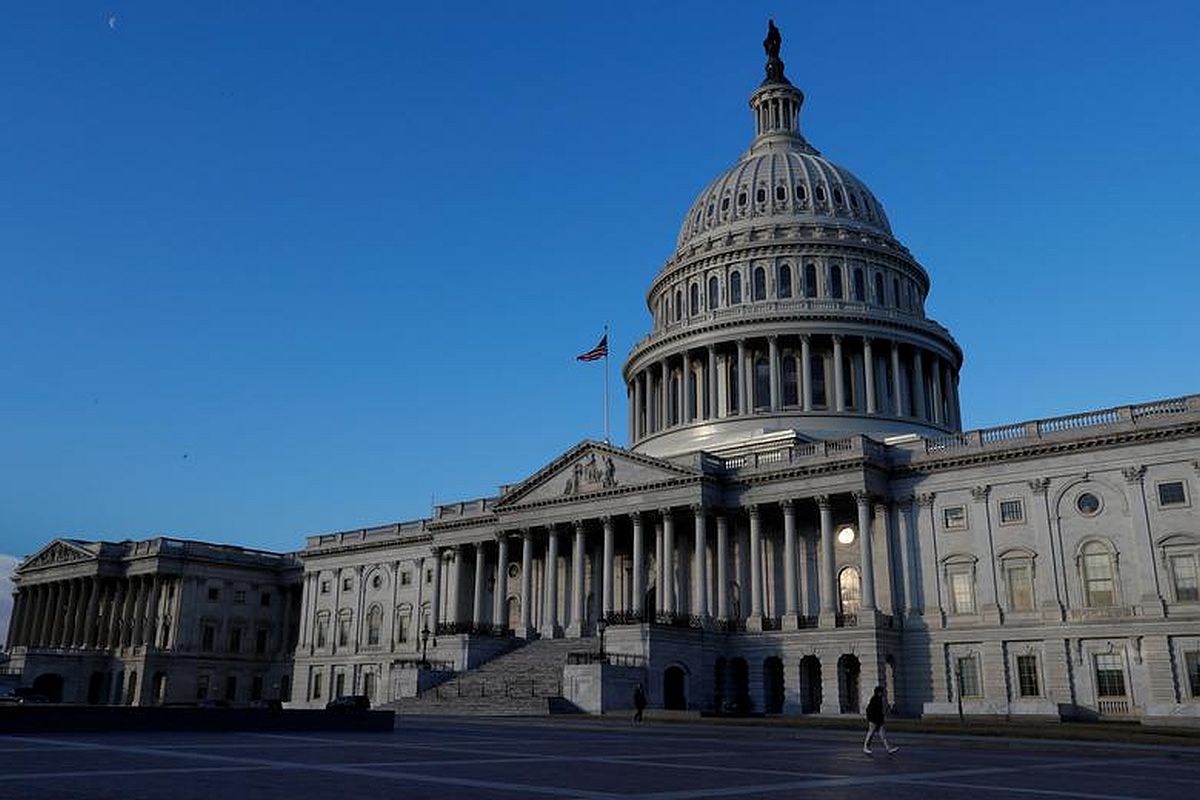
(577, 593)
(805, 371)
(435, 595)
(139, 614)
(866, 553)
(885, 522)
(722, 566)
(639, 566)
(741, 377)
(526, 582)
(897, 385)
(452, 609)
(839, 382)
(638, 404)
(500, 590)
(681, 398)
(664, 395)
(606, 568)
(828, 577)
(67, 623)
(935, 379)
(918, 384)
(668, 562)
(869, 374)
(550, 626)
(648, 402)
(790, 606)
(700, 567)
(773, 361)
(15, 621)
(711, 383)
(477, 594)
(54, 614)
(305, 618)
(755, 621)
(659, 579)
(83, 636)
(45, 614)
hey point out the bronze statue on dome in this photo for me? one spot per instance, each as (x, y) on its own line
(771, 46)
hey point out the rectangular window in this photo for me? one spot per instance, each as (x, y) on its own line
(962, 592)
(208, 637)
(1110, 675)
(1171, 494)
(235, 640)
(343, 632)
(260, 640)
(214, 594)
(316, 693)
(428, 576)
(339, 684)
(202, 687)
(954, 518)
(816, 374)
(405, 622)
(1011, 512)
(1020, 586)
(1027, 676)
(322, 632)
(1186, 578)
(1191, 660)
(324, 587)
(239, 597)
(347, 584)
(968, 676)
(1098, 579)
(406, 577)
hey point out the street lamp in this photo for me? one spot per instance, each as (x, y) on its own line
(600, 626)
(425, 646)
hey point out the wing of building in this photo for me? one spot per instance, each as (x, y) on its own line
(798, 518)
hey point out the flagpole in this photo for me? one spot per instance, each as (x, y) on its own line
(607, 440)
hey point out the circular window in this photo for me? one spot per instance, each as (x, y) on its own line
(1087, 503)
(846, 535)
(377, 581)
(513, 570)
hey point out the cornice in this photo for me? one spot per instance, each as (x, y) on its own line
(360, 547)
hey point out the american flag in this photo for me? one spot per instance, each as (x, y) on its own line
(596, 353)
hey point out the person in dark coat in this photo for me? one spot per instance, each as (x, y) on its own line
(639, 703)
(875, 717)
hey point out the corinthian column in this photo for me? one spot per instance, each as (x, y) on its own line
(500, 590)
(773, 363)
(839, 382)
(700, 566)
(866, 554)
(805, 372)
(607, 568)
(668, 566)
(869, 374)
(575, 629)
(477, 589)
(790, 609)
(756, 594)
(526, 582)
(828, 578)
(722, 566)
(550, 626)
(639, 565)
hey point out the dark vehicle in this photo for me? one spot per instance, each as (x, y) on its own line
(349, 702)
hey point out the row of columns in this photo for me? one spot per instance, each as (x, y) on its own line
(924, 385)
(87, 613)
(665, 554)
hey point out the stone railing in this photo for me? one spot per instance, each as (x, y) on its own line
(1034, 430)
(472, 629)
(615, 659)
(670, 620)
(800, 453)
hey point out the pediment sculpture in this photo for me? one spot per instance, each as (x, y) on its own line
(590, 474)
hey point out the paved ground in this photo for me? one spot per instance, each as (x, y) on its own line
(506, 760)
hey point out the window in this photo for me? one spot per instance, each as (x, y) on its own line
(374, 625)
(202, 687)
(376, 581)
(820, 194)
(735, 288)
(678, 304)
(860, 286)
(967, 673)
(369, 685)
(208, 637)
(837, 196)
(760, 283)
(762, 384)
(1088, 504)
(724, 203)
(322, 631)
(760, 196)
(428, 576)
(694, 300)
(1027, 676)
(854, 200)
(780, 193)
(264, 599)
(1110, 675)
(835, 281)
(791, 389)
(714, 295)
(214, 594)
(784, 286)
(810, 280)
(816, 370)
(1191, 661)
(1184, 577)
(324, 587)
(347, 584)
(954, 518)
(406, 578)
(896, 291)
(317, 681)
(849, 590)
(879, 298)
(339, 684)
(343, 631)
(239, 597)
(962, 591)
(801, 193)
(260, 640)
(741, 198)
(404, 627)
(235, 640)
(231, 688)
(1019, 577)
(1171, 494)
(1098, 584)
(1011, 512)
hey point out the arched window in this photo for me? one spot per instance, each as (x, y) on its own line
(849, 590)
(784, 287)
(810, 280)
(820, 193)
(896, 292)
(801, 194)
(879, 298)
(835, 281)
(694, 300)
(837, 196)
(735, 288)
(780, 193)
(760, 196)
(714, 295)
(860, 285)
(791, 390)
(1099, 586)
(374, 625)
(760, 283)
(678, 304)
(817, 380)
(762, 383)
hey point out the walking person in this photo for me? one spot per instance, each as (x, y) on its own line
(639, 704)
(875, 716)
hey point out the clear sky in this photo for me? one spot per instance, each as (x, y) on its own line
(277, 268)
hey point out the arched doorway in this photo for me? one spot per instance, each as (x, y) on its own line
(773, 685)
(95, 692)
(50, 686)
(810, 685)
(849, 669)
(514, 612)
(675, 689)
(739, 685)
(719, 677)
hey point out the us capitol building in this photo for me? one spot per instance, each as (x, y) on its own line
(798, 517)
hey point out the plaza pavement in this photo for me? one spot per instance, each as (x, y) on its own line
(590, 760)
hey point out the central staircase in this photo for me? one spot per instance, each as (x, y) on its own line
(522, 682)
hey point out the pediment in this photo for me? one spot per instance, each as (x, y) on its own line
(59, 551)
(592, 468)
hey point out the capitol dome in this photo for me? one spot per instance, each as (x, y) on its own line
(789, 308)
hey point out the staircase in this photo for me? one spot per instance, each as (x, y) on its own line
(522, 682)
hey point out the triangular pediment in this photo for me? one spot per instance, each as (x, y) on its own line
(592, 468)
(59, 551)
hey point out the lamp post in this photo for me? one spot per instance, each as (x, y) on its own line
(425, 646)
(600, 626)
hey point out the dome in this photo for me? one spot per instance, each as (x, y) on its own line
(782, 182)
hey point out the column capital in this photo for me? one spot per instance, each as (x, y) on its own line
(666, 512)
(579, 525)
(1134, 473)
(980, 493)
(698, 508)
(636, 517)
(435, 551)
(925, 499)
(525, 533)
(837, 338)
(824, 501)
(861, 498)
(551, 528)
(500, 536)
(881, 504)
(787, 504)
(773, 338)
(1039, 485)
(752, 510)
(806, 337)
(607, 521)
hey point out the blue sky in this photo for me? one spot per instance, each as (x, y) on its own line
(274, 269)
